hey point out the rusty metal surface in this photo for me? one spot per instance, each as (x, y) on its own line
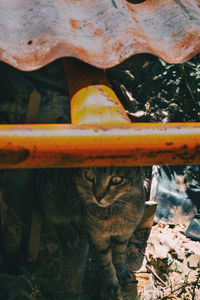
(97, 104)
(102, 33)
(102, 137)
(96, 145)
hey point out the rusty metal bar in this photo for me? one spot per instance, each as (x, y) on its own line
(100, 135)
(80, 75)
(97, 104)
(46, 146)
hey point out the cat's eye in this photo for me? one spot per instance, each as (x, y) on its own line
(89, 176)
(115, 180)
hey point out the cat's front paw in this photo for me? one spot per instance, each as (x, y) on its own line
(123, 275)
(110, 292)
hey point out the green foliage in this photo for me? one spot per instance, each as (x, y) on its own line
(186, 288)
(27, 286)
(35, 286)
(161, 90)
(139, 297)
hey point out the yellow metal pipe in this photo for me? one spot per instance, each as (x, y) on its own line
(58, 145)
(100, 135)
(97, 104)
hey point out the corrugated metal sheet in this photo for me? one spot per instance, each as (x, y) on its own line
(102, 33)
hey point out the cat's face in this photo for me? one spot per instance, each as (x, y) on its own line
(104, 186)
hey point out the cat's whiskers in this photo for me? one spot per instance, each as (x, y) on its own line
(78, 202)
(119, 202)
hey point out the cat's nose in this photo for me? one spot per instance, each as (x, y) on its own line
(98, 195)
(98, 198)
(101, 202)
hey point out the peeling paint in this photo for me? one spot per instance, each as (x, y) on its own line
(102, 33)
(58, 145)
(13, 156)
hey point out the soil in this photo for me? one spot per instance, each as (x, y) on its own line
(172, 261)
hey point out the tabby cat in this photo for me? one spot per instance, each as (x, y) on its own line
(114, 202)
(105, 204)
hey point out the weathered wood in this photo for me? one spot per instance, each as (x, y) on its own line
(148, 216)
(34, 239)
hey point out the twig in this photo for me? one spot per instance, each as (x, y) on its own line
(151, 269)
(183, 286)
(195, 285)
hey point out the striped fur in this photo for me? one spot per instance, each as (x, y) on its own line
(114, 201)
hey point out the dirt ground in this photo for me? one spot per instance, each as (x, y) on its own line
(172, 262)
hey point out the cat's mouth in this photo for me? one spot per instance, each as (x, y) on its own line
(102, 205)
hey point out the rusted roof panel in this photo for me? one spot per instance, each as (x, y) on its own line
(102, 33)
